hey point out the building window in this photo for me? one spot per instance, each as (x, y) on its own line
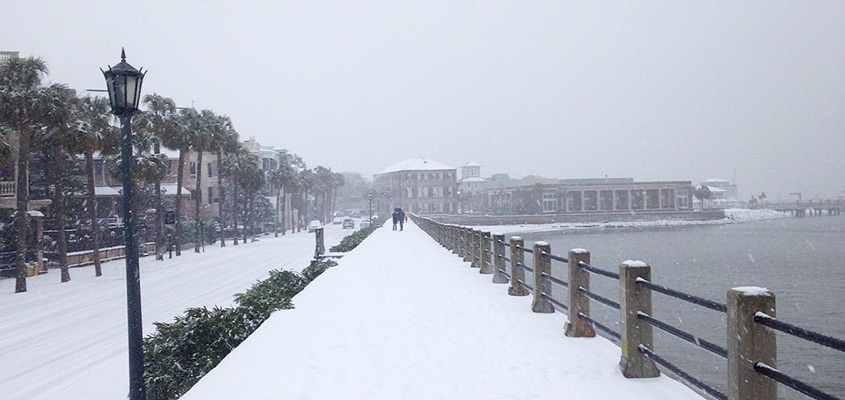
(549, 202)
(652, 198)
(209, 170)
(682, 197)
(621, 199)
(210, 195)
(606, 200)
(667, 199)
(637, 200)
(573, 200)
(192, 167)
(591, 200)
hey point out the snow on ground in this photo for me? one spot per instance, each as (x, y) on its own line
(732, 216)
(69, 340)
(401, 317)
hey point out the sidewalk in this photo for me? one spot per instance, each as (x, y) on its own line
(401, 317)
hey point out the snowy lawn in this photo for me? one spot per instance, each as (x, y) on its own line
(69, 341)
(401, 317)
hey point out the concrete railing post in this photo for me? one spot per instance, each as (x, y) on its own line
(749, 343)
(498, 263)
(320, 247)
(517, 273)
(467, 250)
(476, 249)
(635, 332)
(460, 238)
(578, 303)
(485, 262)
(542, 286)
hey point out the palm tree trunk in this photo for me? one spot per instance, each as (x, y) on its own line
(59, 207)
(92, 209)
(198, 203)
(159, 228)
(276, 220)
(180, 173)
(235, 211)
(222, 199)
(247, 217)
(22, 193)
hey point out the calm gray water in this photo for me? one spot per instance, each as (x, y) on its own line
(801, 260)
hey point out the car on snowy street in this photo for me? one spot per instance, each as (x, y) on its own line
(348, 223)
(314, 224)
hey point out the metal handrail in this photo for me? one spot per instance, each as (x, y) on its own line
(683, 296)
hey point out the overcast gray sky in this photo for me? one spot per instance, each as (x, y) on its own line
(657, 90)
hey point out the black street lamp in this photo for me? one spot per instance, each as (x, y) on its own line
(370, 196)
(124, 86)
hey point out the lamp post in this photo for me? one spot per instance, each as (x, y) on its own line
(370, 197)
(124, 86)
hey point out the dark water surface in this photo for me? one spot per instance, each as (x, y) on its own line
(801, 260)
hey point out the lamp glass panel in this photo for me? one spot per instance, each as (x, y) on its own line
(131, 90)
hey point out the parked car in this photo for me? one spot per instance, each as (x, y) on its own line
(348, 223)
(365, 224)
(337, 221)
(314, 224)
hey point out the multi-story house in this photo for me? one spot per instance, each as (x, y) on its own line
(470, 187)
(417, 185)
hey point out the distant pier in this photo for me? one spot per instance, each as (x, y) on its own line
(810, 208)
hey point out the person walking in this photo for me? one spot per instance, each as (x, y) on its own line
(395, 217)
(401, 220)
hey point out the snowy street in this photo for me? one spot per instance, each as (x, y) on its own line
(69, 341)
(401, 317)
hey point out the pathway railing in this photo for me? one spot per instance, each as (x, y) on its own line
(751, 348)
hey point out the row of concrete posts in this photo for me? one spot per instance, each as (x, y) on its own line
(748, 342)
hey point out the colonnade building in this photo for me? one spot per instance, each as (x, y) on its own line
(589, 196)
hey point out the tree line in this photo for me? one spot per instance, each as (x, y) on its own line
(52, 130)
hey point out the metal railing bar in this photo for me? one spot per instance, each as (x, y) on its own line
(503, 272)
(806, 334)
(683, 296)
(682, 374)
(525, 249)
(525, 285)
(704, 344)
(601, 327)
(598, 271)
(554, 257)
(505, 243)
(502, 256)
(555, 280)
(787, 380)
(600, 299)
(525, 267)
(553, 301)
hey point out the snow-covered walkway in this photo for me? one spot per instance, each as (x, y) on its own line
(401, 317)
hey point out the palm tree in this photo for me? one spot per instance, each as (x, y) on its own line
(20, 103)
(224, 139)
(200, 142)
(161, 121)
(95, 133)
(233, 165)
(252, 181)
(175, 137)
(181, 138)
(62, 103)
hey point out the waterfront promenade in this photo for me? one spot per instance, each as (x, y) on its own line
(402, 317)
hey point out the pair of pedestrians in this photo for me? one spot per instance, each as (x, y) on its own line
(399, 218)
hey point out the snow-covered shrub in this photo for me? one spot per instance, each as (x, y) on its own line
(181, 352)
(352, 241)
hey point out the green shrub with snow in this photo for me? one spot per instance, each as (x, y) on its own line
(352, 241)
(181, 352)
